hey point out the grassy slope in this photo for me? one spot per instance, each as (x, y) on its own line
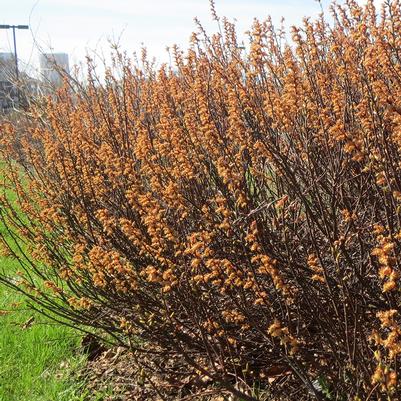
(35, 361)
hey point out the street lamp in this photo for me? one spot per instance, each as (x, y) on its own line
(14, 27)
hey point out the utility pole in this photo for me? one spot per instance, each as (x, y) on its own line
(14, 27)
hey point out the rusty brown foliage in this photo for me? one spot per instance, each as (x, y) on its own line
(240, 211)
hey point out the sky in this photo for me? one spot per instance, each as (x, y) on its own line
(77, 27)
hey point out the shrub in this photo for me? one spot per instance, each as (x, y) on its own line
(239, 212)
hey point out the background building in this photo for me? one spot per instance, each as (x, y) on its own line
(8, 91)
(13, 95)
(50, 66)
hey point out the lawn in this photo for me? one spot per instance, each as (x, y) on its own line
(37, 357)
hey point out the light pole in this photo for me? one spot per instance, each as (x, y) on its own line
(14, 27)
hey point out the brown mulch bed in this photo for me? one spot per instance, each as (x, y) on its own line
(120, 375)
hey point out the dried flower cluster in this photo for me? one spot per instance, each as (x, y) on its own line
(240, 210)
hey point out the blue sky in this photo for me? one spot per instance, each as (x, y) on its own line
(74, 26)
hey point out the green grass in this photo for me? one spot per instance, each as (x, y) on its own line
(37, 360)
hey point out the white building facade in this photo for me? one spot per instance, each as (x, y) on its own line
(51, 67)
